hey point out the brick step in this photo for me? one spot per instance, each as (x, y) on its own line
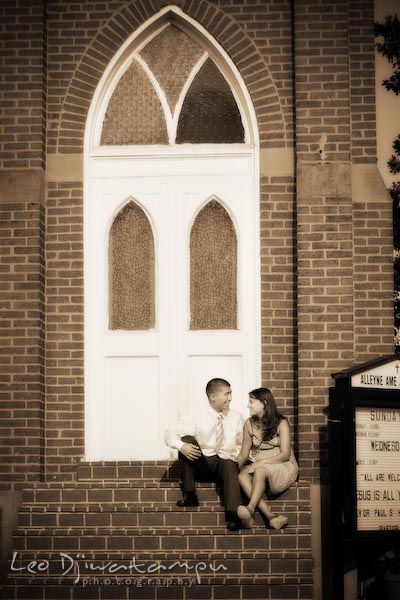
(112, 516)
(136, 539)
(205, 578)
(248, 588)
(232, 577)
(117, 511)
(132, 483)
(146, 496)
(241, 573)
(132, 506)
(154, 531)
(275, 548)
(128, 470)
(145, 490)
(271, 564)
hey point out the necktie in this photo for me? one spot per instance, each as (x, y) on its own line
(220, 434)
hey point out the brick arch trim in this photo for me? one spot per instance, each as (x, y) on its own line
(119, 28)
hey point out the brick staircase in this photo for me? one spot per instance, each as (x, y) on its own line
(115, 532)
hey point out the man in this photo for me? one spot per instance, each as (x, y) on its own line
(209, 443)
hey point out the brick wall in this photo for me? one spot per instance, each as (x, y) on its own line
(372, 218)
(342, 268)
(322, 89)
(23, 68)
(278, 304)
(64, 329)
(21, 328)
(269, 28)
(324, 214)
(372, 265)
(362, 81)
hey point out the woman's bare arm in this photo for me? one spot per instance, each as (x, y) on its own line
(246, 444)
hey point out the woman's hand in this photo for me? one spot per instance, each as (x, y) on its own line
(248, 469)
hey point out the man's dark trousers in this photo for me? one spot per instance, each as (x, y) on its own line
(211, 468)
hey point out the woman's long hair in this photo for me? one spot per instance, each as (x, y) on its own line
(271, 418)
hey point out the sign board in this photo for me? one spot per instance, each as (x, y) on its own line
(377, 468)
(383, 377)
(365, 448)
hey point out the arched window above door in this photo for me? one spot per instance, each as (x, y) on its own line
(213, 270)
(131, 268)
(172, 92)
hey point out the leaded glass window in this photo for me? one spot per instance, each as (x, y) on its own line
(134, 114)
(213, 270)
(171, 56)
(172, 93)
(131, 271)
(209, 113)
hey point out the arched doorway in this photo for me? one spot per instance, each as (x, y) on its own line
(171, 237)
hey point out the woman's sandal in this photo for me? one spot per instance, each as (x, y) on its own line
(246, 517)
(278, 522)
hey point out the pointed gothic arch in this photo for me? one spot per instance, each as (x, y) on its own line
(123, 60)
(115, 36)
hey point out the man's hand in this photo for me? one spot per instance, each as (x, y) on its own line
(191, 451)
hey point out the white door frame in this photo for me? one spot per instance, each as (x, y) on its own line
(163, 155)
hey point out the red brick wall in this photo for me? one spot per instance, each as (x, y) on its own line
(21, 330)
(324, 215)
(23, 68)
(64, 329)
(342, 267)
(372, 218)
(362, 81)
(322, 88)
(278, 333)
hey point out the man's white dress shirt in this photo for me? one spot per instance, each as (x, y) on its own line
(202, 424)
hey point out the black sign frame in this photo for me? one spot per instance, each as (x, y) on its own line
(372, 399)
(350, 545)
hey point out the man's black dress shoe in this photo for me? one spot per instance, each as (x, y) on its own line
(234, 524)
(189, 499)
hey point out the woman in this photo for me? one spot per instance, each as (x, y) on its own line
(266, 441)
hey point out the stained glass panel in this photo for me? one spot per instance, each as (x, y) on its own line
(134, 114)
(210, 113)
(171, 56)
(213, 270)
(131, 271)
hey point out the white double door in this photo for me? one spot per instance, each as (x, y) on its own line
(138, 383)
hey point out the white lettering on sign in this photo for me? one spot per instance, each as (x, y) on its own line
(385, 377)
(377, 468)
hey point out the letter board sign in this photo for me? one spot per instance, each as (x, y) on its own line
(365, 430)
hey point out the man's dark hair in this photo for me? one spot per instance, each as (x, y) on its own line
(214, 384)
